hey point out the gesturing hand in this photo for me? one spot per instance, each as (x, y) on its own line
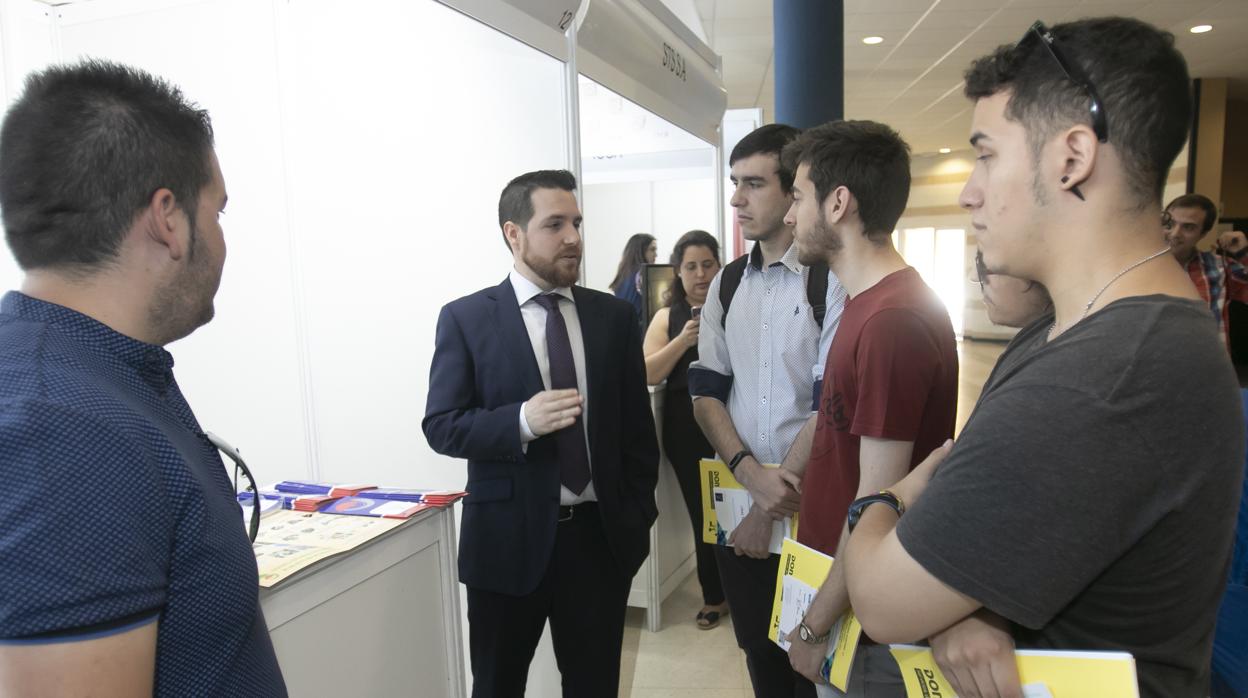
(552, 410)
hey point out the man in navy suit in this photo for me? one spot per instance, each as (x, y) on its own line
(541, 385)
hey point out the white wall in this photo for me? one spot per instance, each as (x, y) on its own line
(617, 210)
(363, 171)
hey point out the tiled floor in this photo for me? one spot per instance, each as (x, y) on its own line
(681, 661)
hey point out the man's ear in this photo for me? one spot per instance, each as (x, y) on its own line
(836, 206)
(166, 224)
(512, 232)
(1079, 148)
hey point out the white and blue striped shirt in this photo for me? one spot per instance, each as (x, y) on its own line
(766, 363)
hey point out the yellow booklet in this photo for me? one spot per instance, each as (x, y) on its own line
(1044, 674)
(802, 571)
(725, 502)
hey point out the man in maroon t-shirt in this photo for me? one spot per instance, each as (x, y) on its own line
(890, 385)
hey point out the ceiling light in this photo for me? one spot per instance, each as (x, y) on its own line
(1201, 28)
(946, 151)
(873, 40)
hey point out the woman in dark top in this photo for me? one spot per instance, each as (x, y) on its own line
(671, 344)
(640, 249)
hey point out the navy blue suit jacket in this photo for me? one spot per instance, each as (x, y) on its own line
(483, 369)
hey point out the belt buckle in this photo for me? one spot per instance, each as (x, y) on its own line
(571, 513)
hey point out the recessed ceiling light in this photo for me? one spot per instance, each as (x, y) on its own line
(1201, 28)
(873, 40)
(946, 151)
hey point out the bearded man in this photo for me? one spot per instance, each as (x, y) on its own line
(541, 385)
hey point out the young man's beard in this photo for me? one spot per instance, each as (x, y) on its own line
(825, 243)
(550, 271)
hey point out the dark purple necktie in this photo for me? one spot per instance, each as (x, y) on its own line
(569, 441)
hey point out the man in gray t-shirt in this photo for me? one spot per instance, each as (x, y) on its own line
(1087, 500)
(1089, 503)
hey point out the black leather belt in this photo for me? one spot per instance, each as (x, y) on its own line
(567, 512)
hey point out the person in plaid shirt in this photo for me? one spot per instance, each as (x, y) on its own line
(1220, 275)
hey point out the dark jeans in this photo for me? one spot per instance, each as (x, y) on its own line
(750, 586)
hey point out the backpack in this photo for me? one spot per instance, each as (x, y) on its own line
(816, 288)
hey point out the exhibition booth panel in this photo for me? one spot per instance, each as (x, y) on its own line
(364, 146)
(400, 139)
(241, 372)
(640, 174)
(650, 104)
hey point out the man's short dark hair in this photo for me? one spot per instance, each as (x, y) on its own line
(515, 204)
(1141, 78)
(1197, 201)
(83, 151)
(769, 140)
(866, 157)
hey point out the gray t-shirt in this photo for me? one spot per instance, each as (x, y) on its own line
(1091, 497)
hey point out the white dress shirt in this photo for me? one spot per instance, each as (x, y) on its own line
(535, 322)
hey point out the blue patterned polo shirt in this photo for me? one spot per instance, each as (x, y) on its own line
(116, 510)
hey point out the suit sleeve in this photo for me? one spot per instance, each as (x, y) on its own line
(455, 423)
(640, 457)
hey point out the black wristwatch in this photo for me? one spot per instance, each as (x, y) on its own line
(808, 636)
(736, 460)
(882, 497)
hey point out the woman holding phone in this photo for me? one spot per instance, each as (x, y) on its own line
(671, 344)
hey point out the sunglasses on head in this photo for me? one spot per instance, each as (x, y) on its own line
(1074, 73)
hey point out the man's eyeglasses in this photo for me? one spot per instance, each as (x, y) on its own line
(253, 529)
(1074, 73)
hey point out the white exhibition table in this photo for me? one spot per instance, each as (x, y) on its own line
(385, 617)
(380, 620)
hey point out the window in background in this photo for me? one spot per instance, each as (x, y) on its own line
(938, 256)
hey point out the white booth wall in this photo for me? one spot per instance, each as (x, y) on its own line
(639, 174)
(363, 172)
(364, 146)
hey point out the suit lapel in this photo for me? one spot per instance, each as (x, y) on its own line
(594, 335)
(514, 337)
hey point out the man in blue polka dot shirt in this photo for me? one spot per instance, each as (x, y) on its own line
(124, 565)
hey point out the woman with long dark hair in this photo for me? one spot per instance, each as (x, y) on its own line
(671, 344)
(640, 249)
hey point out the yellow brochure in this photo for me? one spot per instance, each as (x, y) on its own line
(1044, 673)
(725, 502)
(802, 571)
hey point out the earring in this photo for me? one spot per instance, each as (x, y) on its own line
(1074, 189)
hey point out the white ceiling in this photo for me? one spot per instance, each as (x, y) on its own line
(913, 80)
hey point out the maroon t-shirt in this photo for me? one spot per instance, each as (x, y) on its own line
(892, 373)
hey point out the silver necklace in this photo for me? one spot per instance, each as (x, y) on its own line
(1104, 288)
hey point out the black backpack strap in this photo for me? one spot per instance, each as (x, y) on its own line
(729, 280)
(817, 292)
